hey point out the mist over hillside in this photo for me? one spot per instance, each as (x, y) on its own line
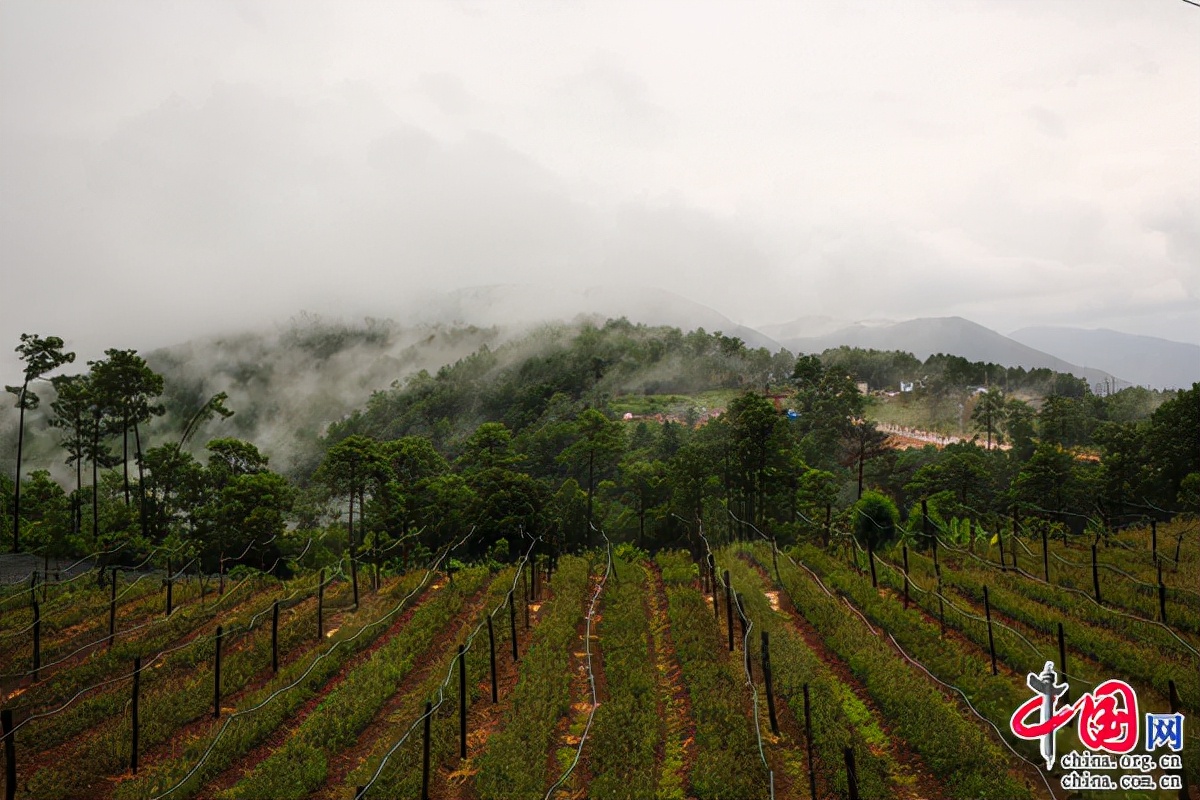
(285, 385)
(288, 383)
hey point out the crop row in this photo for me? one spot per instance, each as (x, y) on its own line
(1129, 592)
(956, 750)
(399, 753)
(1143, 654)
(628, 729)
(1065, 603)
(672, 778)
(839, 718)
(260, 713)
(178, 680)
(175, 694)
(299, 766)
(74, 603)
(514, 764)
(84, 625)
(1011, 648)
(727, 759)
(104, 661)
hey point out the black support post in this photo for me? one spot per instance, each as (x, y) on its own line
(425, 753)
(745, 643)
(1062, 659)
(462, 702)
(851, 774)
(729, 608)
(275, 638)
(808, 745)
(321, 605)
(37, 640)
(112, 610)
(512, 623)
(987, 610)
(871, 558)
(492, 657)
(133, 713)
(766, 667)
(10, 754)
(1095, 574)
(217, 677)
(1045, 554)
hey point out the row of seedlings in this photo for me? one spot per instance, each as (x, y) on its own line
(514, 763)
(1112, 591)
(835, 717)
(628, 728)
(76, 674)
(1084, 654)
(727, 760)
(958, 751)
(1070, 602)
(300, 765)
(177, 690)
(209, 752)
(1146, 654)
(676, 712)
(173, 688)
(126, 612)
(70, 611)
(572, 774)
(396, 765)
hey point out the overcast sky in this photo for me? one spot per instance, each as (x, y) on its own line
(168, 169)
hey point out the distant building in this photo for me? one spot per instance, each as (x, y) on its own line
(863, 387)
(906, 386)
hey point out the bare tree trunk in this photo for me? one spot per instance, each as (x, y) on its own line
(137, 439)
(17, 489)
(125, 454)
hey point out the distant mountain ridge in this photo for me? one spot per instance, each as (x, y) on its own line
(952, 335)
(1145, 360)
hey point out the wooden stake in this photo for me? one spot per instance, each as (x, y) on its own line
(766, 667)
(37, 640)
(137, 676)
(851, 773)
(217, 678)
(729, 608)
(1062, 660)
(321, 605)
(512, 623)
(462, 702)
(10, 754)
(425, 753)
(1045, 554)
(987, 610)
(112, 610)
(808, 744)
(492, 656)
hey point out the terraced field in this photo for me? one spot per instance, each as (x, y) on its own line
(738, 671)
